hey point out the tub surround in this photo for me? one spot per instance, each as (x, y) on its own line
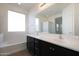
(1, 39)
(8, 50)
(67, 41)
(8, 44)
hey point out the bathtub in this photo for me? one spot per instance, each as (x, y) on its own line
(1, 39)
(12, 46)
(8, 48)
(8, 44)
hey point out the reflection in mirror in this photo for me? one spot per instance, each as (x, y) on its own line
(37, 24)
(58, 25)
(50, 24)
(59, 19)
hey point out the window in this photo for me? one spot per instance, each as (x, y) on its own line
(16, 22)
(37, 24)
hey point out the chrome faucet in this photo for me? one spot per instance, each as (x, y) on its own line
(60, 36)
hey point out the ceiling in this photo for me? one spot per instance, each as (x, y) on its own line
(26, 6)
(54, 9)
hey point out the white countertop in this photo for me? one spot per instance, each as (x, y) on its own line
(71, 42)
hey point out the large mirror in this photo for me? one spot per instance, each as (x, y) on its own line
(59, 18)
(50, 26)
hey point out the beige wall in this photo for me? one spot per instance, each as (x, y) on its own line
(10, 36)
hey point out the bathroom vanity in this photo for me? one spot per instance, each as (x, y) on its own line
(50, 45)
(62, 31)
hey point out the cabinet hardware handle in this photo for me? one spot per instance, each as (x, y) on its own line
(51, 48)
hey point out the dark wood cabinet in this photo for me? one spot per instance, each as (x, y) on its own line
(38, 47)
(30, 44)
(44, 48)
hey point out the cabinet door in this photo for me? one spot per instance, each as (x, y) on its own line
(30, 44)
(53, 49)
(61, 51)
(37, 47)
(44, 48)
(69, 52)
(57, 50)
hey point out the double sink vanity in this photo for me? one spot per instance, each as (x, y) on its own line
(46, 44)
